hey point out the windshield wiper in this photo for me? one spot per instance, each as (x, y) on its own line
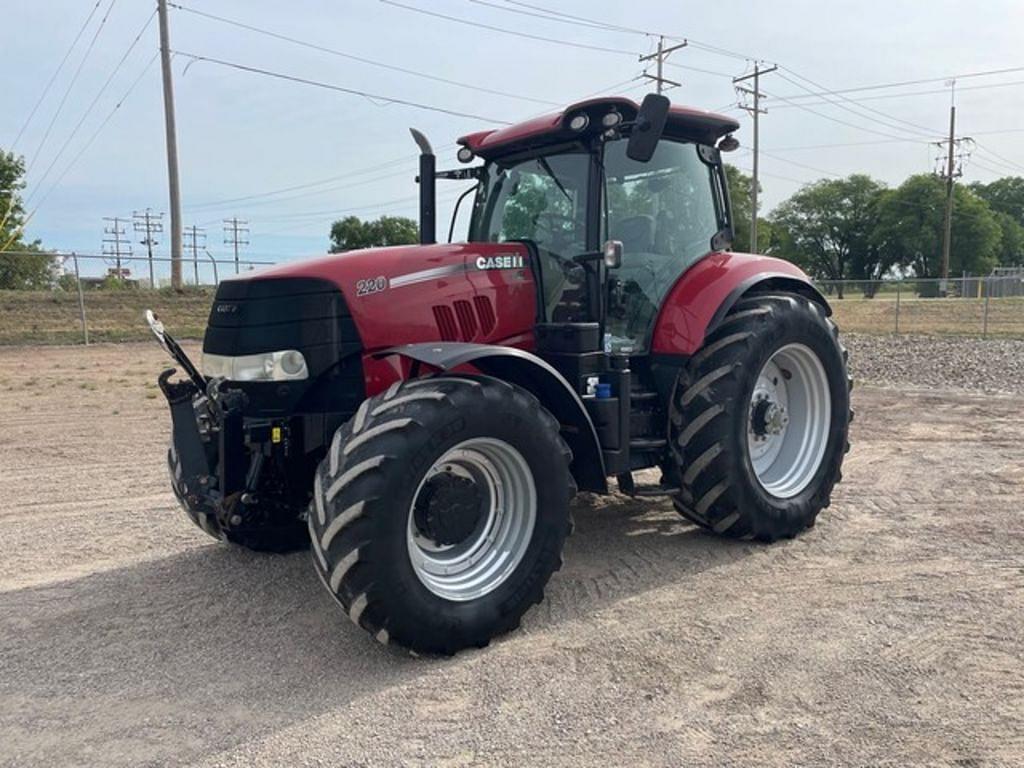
(547, 169)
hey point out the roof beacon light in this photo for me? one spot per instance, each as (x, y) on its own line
(579, 122)
(465, 155)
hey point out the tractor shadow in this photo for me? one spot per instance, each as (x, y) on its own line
(226, 644)
(625, 546)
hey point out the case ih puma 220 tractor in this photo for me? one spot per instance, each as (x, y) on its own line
(421, 416)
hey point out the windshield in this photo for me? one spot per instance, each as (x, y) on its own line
(665, 213)
(542, 200)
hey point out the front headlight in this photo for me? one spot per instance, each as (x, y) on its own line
(288, 365)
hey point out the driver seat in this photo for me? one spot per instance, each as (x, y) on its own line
(636, 234)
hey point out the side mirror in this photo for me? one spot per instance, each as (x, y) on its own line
(612, 254)
(647, 130)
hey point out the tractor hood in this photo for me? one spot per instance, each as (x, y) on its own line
(393, 295)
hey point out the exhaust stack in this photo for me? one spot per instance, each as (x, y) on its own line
(426, 179)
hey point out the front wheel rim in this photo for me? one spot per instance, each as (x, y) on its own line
(789, 420)
(491, 551)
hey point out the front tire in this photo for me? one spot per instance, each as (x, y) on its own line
(440, 512)
(760, 419)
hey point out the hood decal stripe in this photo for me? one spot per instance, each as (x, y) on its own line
(425, 275)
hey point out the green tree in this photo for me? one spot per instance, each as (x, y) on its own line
(910, 226)
(827, 227)
(1011, 245)
(352, 233)
(740, 184)
(27, 266)
(1004, 195)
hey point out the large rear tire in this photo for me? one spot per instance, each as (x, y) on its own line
(440, 511)
(760, 419)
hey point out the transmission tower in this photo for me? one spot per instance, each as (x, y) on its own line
(116, 245)
(236, 232)
(148, 224)
(195, 238)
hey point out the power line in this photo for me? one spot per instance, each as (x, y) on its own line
(71, 85)
(999, 159)
(929, 92)
(81, 152)
(260, 197)
(584, 19)
(900, 83)
(840, 121)
(92, 104)
(56, 72)
(551, 17)
(703, 71)
(507, 31)
(707, 47)
(860, 108)
(361, 59)
(339, 88)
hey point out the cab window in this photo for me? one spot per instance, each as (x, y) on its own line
(665, 213)
(542, 200)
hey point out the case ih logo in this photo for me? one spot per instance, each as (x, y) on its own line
(511, 261)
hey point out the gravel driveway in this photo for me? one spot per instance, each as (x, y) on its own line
(890, 634)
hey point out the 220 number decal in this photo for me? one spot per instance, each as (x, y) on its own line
(371, 285)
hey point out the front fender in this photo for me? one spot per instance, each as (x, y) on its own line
(704, 294)
(533, 374)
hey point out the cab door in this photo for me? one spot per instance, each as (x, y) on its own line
(666, 212)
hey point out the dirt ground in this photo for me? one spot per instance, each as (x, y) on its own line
(890, 634)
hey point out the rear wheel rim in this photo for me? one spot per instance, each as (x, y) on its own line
(789, 420)
(485, 558)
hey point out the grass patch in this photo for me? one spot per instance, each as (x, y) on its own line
(51, 317)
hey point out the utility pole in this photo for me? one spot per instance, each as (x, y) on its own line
(755, 111)
(954, 152)
(193, 234)
(659, 57)
(115, 245)
(148, 224)
(172, 146)
(235, 231)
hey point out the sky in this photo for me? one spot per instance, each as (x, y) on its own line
(290, 158)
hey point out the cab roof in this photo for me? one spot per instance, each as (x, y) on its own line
(683, 123)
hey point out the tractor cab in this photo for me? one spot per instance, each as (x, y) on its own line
(644, 183)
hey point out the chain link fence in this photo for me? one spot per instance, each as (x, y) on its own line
(96, 298)
(969, 305)
(96, 301)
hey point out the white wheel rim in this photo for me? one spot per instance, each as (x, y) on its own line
(789, 417)
(484, 560)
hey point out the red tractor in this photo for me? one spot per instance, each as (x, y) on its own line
(423, 415)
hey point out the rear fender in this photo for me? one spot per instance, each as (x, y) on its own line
(704, 294)
(528, 371)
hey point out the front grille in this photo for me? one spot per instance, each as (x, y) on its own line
(253, 315)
